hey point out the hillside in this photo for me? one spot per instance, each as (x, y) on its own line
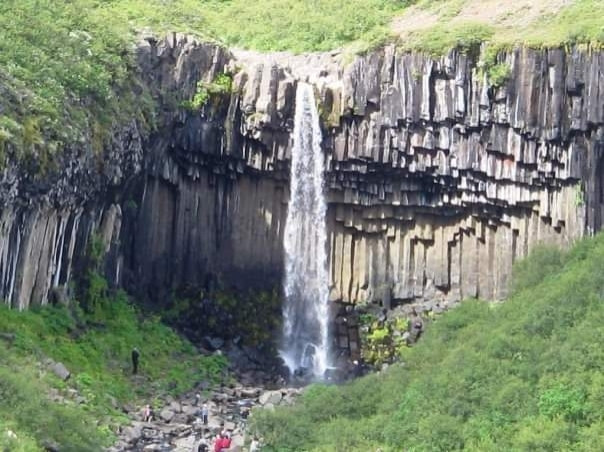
(522, 375)
(94, 344)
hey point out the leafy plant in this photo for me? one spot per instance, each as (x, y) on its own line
(205, 91)
(499, 74)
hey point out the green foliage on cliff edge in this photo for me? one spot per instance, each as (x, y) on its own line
(67, 69)
(95, 347)
(524, 375)
(65, 77)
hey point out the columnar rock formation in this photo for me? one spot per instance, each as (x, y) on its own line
(437, 180)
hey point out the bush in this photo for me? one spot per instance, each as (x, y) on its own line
(522, 375)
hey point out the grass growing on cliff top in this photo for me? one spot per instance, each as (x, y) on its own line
(523, 375)
(96, 348)
(268, 25)
(437, 26)
(67, 69)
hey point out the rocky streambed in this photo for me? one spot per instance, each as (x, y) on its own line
(177, 424)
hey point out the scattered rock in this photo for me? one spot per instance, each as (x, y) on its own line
(132, 434)
(8, 337)
(50, 446)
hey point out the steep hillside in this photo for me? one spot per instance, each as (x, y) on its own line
(522, 375)
(84, 412)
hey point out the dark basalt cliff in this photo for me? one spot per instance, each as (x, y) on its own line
(437, 181)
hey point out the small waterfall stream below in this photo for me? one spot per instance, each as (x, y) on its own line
(306, 285)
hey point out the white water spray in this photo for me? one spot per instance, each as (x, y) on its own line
(305, 312)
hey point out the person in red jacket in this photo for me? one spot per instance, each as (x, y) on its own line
(218, 444)
(226, 442)
(222, 442)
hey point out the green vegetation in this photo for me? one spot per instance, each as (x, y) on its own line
(268, 25)
(383, 341)
(438, 40)
(65, 77)
(522, 375)
(95, 346)
(253, 317)
(205, 91)
(578, 23)
(467, 23)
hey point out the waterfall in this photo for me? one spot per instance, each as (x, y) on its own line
(305, 312)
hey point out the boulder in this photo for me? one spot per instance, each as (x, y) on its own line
(184, 444)
(213, 343)
(60, 371)
(132, 434)
(166, 414)
(250, 393)
(175, 406)
(273, 397)
(190, 410)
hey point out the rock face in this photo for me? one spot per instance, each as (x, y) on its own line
(437, 181)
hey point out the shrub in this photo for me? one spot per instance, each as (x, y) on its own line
(522, 375)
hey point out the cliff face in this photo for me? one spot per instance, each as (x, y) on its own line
(437, 181)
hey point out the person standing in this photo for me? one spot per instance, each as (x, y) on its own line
(255, 445)
(147, 413)
(204, 413)
(135, 356)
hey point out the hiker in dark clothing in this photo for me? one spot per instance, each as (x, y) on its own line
(135, 355)
(416, 327)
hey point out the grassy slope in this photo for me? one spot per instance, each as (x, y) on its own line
(96, 349)
(523, 375)
(448, 23)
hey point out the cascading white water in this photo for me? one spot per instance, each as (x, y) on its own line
(305, 312)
